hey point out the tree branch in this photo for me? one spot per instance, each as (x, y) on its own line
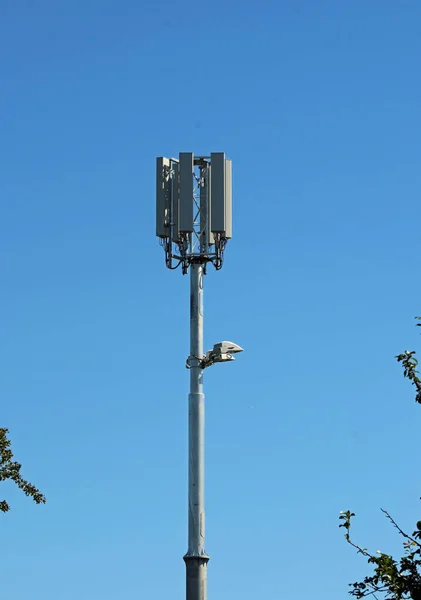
(10, 469)
(405, 535)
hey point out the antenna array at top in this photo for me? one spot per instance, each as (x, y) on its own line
(194, 208)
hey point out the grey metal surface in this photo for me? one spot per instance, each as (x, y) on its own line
(196, 558)
(217, 224)
(196, 578)
(228, 199)
(221, 195)
(163, 198)
(186, 191)
(175, 204)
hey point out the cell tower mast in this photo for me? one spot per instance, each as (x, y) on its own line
(194, 223)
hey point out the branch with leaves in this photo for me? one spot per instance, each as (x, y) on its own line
(393, 579)
(409, 364)
(10, 469)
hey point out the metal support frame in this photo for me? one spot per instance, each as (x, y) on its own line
(198, 242)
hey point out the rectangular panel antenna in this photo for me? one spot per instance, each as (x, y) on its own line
(186, 192)
(209, 197)
(221, 195)
(175, 202)
(228, 199)
(163, 197)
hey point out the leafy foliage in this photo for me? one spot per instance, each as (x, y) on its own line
(393, 579)
(10, 469)
(397, 580)
(410, 363)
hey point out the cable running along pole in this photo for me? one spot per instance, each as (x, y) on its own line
(194, 223)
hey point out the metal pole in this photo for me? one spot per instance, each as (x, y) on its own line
(196, 558)
(195, 236)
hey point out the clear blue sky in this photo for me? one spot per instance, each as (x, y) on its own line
(318, 104)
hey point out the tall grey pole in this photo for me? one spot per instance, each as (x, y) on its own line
(194, 224)
(196, 558)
